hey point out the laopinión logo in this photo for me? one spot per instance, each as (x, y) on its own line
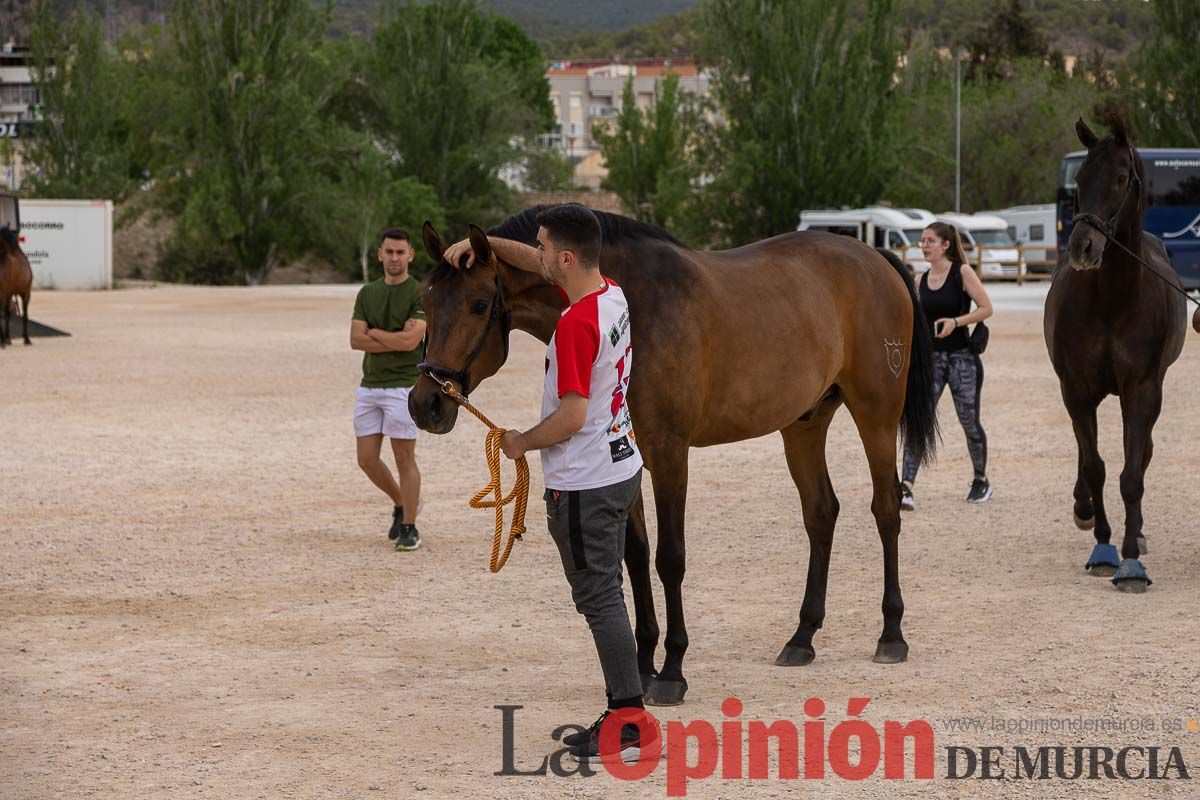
(852, 750)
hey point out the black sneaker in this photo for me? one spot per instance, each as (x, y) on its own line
(907, 501)
(579, 737)
(397, 521)
(981, 491)
(632, 746)
(409, 538)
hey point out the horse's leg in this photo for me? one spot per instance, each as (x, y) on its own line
(668, 465)
(1084, 513)
(877, 427)
(1140, 406)
(804, 445)
(6, 309)
(1103, 560)
(25, 315)
(637, 564)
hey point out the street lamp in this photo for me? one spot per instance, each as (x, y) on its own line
(958, 57)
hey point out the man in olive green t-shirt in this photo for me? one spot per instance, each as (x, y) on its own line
(388, 326)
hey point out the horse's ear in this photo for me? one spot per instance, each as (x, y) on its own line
(433, 243)
(1085, 134)
(480, 244)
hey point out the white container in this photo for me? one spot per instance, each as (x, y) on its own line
(68, 243)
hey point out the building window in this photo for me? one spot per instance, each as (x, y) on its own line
(1037, 233)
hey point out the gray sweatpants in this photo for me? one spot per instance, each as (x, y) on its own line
(963, 371)
(588, 526)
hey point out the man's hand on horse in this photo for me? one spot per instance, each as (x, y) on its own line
(512, 444)
(454, 253)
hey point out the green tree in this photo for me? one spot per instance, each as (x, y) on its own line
(245, 156)
(1015, 132)
(1008, 35)
(80, 148)
(803, 97)
(548, 170)
(646, 154)
(374, 199)
(1167, 77)
(450, 95)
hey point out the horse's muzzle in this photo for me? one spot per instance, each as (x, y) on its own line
(1085, 249)
(430, 408)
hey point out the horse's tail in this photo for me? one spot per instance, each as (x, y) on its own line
(918, 423)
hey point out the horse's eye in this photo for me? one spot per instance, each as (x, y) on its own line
(479, 306)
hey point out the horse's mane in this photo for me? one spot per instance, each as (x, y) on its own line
(9, 236)
(523, 227)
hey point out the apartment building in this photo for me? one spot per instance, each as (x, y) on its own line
(18, 112)
(587, 93)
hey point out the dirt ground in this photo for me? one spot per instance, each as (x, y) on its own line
(198, 599)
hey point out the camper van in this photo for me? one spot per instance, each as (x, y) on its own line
(1033, 227)
(897, 229)
(989, 232)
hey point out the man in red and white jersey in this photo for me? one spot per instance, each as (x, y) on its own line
(592, 466)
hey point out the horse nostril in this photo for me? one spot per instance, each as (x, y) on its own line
(435, 409)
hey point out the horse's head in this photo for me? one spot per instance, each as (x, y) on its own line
(1108, 194)
(467, 327)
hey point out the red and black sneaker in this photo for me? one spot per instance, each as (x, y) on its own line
(584, 747)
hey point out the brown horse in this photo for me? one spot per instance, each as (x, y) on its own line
(16, 280)
(774, 336)
(1113, 326)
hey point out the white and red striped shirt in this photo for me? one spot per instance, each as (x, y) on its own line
(590, 354)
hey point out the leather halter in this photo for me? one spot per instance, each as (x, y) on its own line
(1133, 187)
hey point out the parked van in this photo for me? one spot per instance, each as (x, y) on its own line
(897, 229)
(1033, 227)
(989, 232)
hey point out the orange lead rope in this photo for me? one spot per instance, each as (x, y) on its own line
(520, 492)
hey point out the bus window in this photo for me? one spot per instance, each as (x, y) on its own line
(1069, 167)
(1174, 182)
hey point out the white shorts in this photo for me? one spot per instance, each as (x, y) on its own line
(383, 411)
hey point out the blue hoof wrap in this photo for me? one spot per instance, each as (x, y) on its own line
(1131, 570)
(1103, 555)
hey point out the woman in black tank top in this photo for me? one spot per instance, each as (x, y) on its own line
(947, 291)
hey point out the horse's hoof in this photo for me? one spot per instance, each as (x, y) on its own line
(1084, 523)
(891, 653)
(648, 679)
(1103, 561)
(793, 655)
(1143, 548)
(1131, 577)
(665, 693)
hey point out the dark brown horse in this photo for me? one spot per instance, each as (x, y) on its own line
(16, 280)
(1113, 326)
(774, 336)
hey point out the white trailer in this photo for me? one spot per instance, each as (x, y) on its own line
(1035, 228)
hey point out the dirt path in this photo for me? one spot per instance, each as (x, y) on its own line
(198, 599)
